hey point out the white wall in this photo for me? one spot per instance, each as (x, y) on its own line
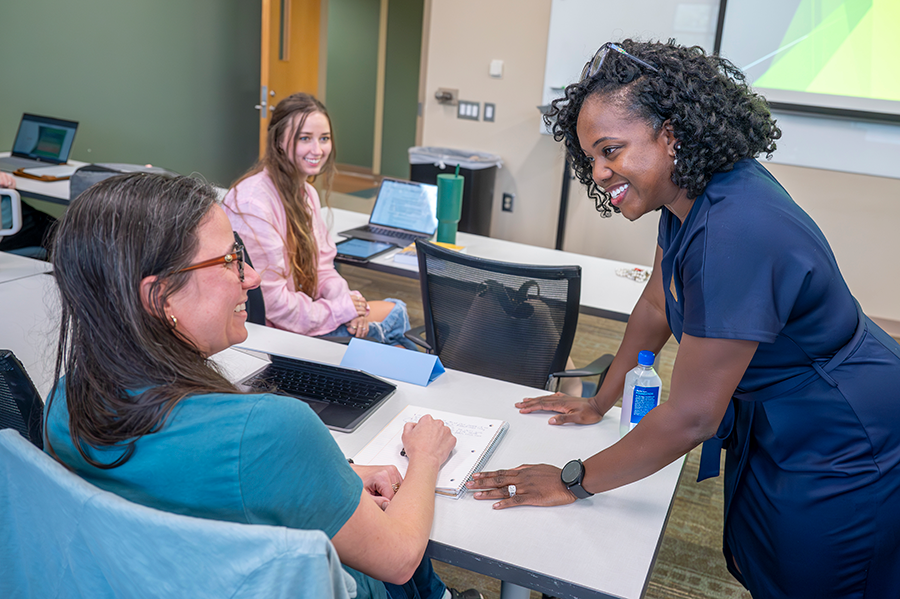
(463, 37)
(859, 214)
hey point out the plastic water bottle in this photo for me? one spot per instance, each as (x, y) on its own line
(641, 392)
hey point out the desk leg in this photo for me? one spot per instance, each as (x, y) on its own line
(513, 591)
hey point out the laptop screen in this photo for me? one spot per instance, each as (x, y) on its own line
(44, 138)
(406, 205)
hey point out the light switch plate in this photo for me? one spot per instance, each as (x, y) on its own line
(468, 110)
(489, 111)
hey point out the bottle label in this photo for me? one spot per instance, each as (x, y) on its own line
(645, 399)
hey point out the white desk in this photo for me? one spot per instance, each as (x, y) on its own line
(48, 191)
(14, 267)
(604, 546)
(30, 325)
(603, 293)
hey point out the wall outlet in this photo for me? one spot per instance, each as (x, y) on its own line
(508, 201)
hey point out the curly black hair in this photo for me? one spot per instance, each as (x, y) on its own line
(715, 116)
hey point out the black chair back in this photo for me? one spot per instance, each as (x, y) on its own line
(256, 305)
(21, 407)
(512, 322)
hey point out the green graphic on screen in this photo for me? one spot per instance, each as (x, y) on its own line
(838, 47)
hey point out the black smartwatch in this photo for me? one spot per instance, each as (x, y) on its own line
(572, 474)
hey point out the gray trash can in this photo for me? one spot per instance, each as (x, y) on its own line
(479, 169)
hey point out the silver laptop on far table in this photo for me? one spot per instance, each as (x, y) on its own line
(40, 141)
(404, 211)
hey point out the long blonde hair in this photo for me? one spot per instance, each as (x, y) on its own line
(302, 251)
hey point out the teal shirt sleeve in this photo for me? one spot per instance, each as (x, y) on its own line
(292, 472)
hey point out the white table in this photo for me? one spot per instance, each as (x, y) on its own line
(604, 546)
(603, 293)
(48, 191)
(30, 324)
(14, 267)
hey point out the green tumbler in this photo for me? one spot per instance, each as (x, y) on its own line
(449, 206)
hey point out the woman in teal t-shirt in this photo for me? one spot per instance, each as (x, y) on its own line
(152, 282)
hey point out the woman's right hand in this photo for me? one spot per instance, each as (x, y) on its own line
(358, 327)
(428, 437)
(577, 410)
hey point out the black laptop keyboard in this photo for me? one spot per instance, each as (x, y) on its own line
(388, 232)
(321, 382)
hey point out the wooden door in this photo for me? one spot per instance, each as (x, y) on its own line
(289, 54)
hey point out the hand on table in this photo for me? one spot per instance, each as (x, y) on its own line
(380, 482)
(577, 410)
(535, 484)
(7, 180)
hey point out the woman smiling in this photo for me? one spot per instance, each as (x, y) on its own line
(777, 362)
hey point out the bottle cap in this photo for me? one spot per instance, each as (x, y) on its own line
(646, 358)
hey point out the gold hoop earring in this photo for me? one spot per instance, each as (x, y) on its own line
(174, 321)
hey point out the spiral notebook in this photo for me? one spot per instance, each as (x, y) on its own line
(476, 439)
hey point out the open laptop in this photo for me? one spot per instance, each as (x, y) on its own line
(342, 397)
(40, 141)
(404, 211)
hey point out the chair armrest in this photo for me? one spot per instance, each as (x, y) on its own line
(415, 335)
(598, 366)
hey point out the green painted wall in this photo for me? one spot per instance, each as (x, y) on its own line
(401, 85)
(351, 76)
(166, 82)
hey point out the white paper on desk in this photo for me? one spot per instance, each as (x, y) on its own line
(476, 439)
(392, 362)
(60, 171)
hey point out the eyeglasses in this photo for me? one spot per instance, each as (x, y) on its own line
(236, 255)
(592, 67)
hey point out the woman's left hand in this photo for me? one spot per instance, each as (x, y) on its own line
(535, 484)
(360, 303)
(381, 482)
(359, 327)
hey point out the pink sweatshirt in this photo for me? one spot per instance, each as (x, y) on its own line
(257, 214)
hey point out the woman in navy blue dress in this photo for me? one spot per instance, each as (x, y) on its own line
(777, 362)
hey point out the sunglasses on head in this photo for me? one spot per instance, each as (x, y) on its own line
(593, 66)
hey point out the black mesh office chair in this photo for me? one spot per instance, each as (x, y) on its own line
(513, 322)
(21, 407)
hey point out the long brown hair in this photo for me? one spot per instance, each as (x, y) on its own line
(302, 251)
(125, 366)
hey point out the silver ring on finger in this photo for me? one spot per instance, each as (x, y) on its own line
(511, 489)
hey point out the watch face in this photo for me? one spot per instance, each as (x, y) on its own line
(571, 472)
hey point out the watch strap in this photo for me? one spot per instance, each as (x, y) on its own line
(579, 491)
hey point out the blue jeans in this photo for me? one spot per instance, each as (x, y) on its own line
(389, 331)
(424, 584)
